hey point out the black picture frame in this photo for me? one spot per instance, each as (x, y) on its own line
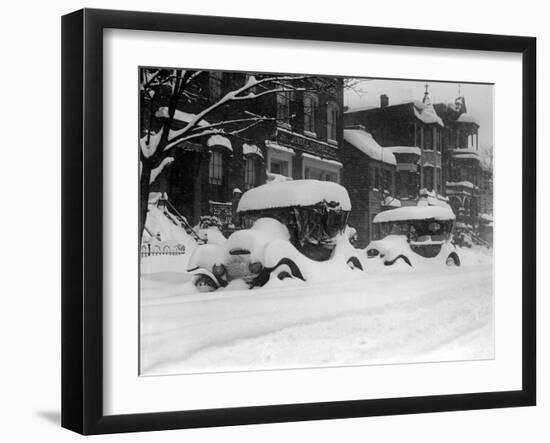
(82, 218)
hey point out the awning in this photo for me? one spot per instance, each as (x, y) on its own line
(252, 150)
(219, 140)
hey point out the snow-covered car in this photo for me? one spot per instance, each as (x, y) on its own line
(292, 230)
(414, 235)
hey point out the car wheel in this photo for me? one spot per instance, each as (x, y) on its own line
(452, 260)
(205, 284)
(282, 275)
(354, 263)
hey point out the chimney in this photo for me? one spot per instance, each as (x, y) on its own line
(384, 101)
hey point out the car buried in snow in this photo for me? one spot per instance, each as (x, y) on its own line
(291, 230)
(414, 235)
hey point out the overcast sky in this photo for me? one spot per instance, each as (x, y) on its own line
(479, 99)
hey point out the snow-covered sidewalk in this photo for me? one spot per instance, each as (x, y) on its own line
(395, 315)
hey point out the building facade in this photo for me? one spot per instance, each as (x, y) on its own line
(370, 178)
(436, 149)
(299, 136)
(306, 139)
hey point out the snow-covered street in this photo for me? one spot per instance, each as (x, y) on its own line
(387, 315)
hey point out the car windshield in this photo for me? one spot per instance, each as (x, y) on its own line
(318, 224)
(415, 230)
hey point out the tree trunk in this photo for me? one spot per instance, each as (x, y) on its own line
(144, 186)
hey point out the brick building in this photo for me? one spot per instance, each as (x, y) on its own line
(307, 137)
(415, 132)
(300, 138)
(436, 148)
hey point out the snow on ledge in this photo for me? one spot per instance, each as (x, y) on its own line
(282, 194)
(278, 147)
(465, 183)
(415, 213)
(404, 150)
(324, 160)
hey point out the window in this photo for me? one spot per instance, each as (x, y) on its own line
(215, 85)
(429, 178)
(438, 186)
(437, 138)
(463, 173)
(279, 167)
(215, 171)
(376, 178)
(417, 135)
(250, 173)
(310, 110)
(283, 107)
(472, 141)
(387, 177)
(332, 119)
(428, 138)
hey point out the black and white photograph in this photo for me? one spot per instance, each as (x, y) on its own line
(303, 221)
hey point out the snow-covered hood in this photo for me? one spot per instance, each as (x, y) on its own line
(263, 231)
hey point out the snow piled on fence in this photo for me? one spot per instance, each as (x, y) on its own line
(166, 231)
(393, 315)
(281, 194)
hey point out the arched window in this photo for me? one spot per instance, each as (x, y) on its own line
(332, 120)
(310, 111)
(215, 171)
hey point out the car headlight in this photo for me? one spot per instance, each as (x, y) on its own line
(218, 270)
(372, 253)
(255, 267)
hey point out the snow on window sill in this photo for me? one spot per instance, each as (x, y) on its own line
(310, 134)
(332, 142)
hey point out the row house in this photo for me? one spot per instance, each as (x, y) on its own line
(299, 137)
(370, 179)
(307, 137)
(414, 131)
(436, 149)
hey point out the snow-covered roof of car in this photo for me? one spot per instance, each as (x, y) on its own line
(415, 213)
(282, 194)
